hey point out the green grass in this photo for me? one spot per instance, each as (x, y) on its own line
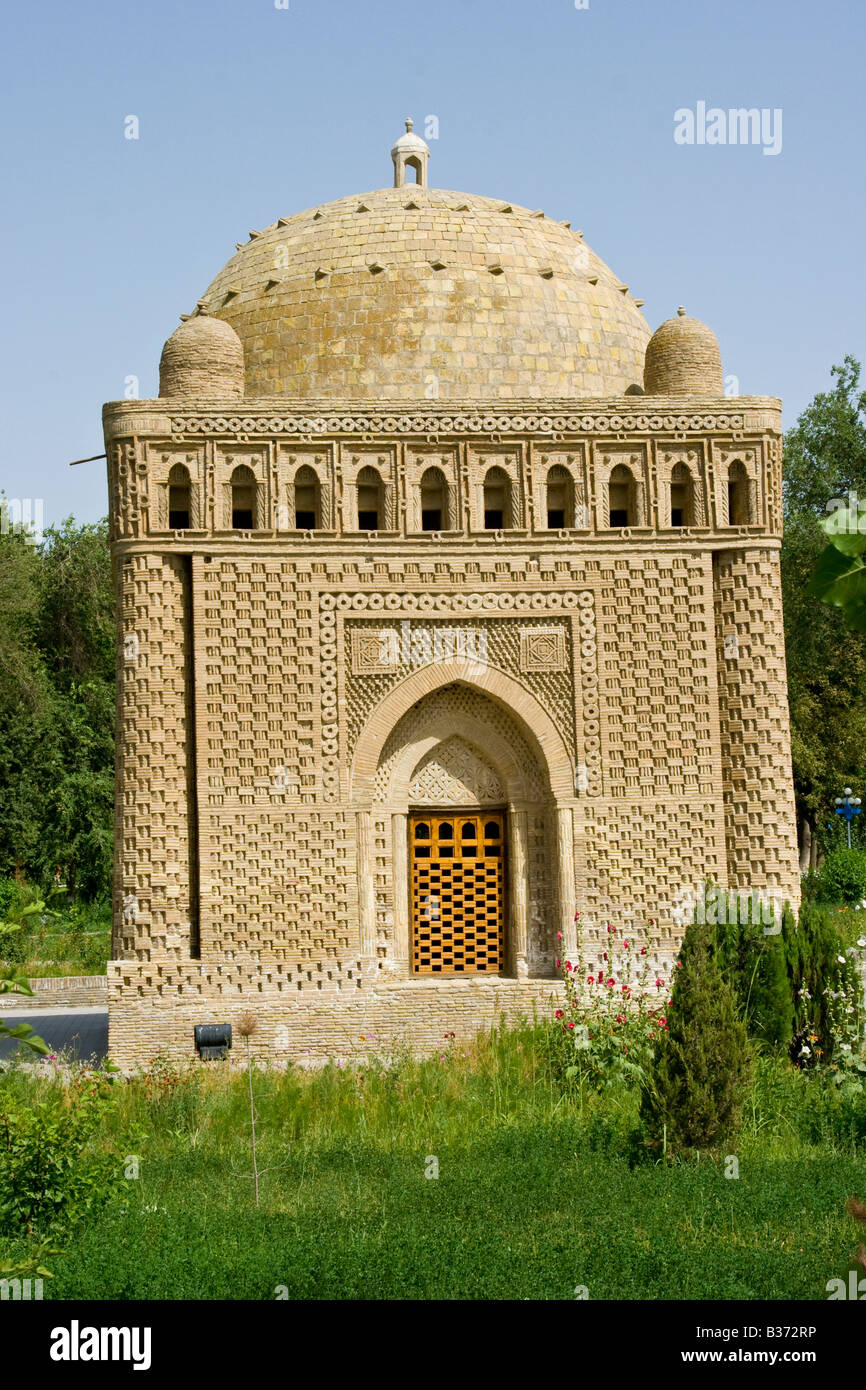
(75, 940)
(535, 1193)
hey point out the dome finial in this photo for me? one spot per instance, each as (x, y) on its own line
(410, 152)
(681, 311)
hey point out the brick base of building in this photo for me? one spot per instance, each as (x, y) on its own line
(153, 1009)
(380, 1021)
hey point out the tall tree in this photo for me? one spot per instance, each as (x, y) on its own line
(57, 706)
(824, 462)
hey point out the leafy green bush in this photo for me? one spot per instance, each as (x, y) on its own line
(74, 939)
(52, 1172)
(842, 876)
(698, 1087)
(10, 895)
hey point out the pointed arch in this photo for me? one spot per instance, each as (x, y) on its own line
(307, 499)
(179, 498)
(435, 502)
(498, 509)
(739, 495)
(243, 499)
(559, 498)
(621, 497)
(682, 496)
(371, 500)
(532, 718)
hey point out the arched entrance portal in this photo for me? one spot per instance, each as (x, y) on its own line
(461, 801)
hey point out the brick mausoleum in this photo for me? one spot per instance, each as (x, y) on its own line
(449, 604)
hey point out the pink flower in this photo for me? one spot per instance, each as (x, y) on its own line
(610, 983)
(678, 964)
(570, 1025)
(600, 976)
(559, 1014)
(643, 950)
(663, 1023)
(568, 965)
(590, 979)
(559, 936)
(659, 984)
(605, 955)
(625, 944)
(620, 1019)
(558, 964)
(625, 989)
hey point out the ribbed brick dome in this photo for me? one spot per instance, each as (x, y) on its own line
(413, 293)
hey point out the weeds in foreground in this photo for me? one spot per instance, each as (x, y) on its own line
(470, 1173)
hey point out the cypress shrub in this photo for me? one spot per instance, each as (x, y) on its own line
(755, 965)
(702, 1066)
(817, 969)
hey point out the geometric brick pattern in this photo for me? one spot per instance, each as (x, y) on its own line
(754, 721)
(657, 658)
(544, 650)
(454, 774)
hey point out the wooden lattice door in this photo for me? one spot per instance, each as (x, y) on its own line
(457, 871)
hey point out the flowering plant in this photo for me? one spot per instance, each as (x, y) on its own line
(845, 1023)
(605, 1033)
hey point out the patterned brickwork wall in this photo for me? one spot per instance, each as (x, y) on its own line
(657, 659)
(153, 901)
(278, 869)
(760, 818)
(639, 859)
(417, 1014)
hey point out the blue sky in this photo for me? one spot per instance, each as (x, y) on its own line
(248, 112)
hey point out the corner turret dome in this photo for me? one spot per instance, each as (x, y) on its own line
(683, 359)
(203, 358)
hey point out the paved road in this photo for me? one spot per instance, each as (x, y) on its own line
(84, 1035)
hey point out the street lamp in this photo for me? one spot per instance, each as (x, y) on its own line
(849, 807)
